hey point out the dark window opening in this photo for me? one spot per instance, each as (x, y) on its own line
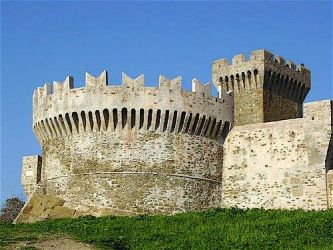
(174, 120)
(141, 118)
(91, 120)
(166, 120)
(133, 114)
(68, 122)
(76, 120)
(158, 119)
(150, 117)
(115, 118)
(123, 117)
(181, 123)
(83, 117)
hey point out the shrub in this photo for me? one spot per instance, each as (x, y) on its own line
(10, 209)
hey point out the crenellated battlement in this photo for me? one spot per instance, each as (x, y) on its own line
(266, 87)
(64, 110)
(263, 70)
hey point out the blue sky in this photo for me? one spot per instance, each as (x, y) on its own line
(45, 41)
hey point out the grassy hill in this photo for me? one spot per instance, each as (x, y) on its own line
(214, 229)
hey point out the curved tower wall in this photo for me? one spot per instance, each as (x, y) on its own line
(131, 148)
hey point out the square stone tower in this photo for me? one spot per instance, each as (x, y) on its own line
(266, 88)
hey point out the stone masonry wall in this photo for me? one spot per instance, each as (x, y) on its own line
(248, 107)
(31, 173)
(279, 164)
(131, 172)
(130, 148)
(277, 107)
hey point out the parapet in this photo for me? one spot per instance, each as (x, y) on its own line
(263, 70)
(99, 106)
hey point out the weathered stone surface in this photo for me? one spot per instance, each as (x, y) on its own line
(31, 173)
(280, 164)
(41, 207)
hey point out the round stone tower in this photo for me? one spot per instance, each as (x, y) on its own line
(128, 148)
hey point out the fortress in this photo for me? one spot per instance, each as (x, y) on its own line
(130, 149)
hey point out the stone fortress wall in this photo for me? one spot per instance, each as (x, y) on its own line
(283, 164)
(131, 148)
(279, 154)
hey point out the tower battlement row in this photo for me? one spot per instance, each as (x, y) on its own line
(267, 86)
(64, 110)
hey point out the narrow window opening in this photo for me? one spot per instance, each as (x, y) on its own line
(83, 117)
(76, 120)
(98, 120)
(68, 122)
(181, 123)
(255, 73)
(207, 126)
(141, 118)
(238, 82)
(115, 118)
(91, 120)
(243, 79)
(201, 125)
(62, 123)
(43, 128)
(188, 123)
(52, 125)
(133, 114)
(226, 79)
(48, 126)
(217, 129)
(106, 118)
(57, 125)
(300, 99)
(174, 120)
(150, 117)
(39, 125)
(212, 128)
(124, 117)
(195, 123)
(232, 80)
(158, 119)
(166, 120)
(225, 130)
(249, 77)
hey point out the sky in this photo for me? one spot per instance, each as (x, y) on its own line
(45, 41)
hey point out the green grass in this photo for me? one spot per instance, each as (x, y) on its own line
(214, 229)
